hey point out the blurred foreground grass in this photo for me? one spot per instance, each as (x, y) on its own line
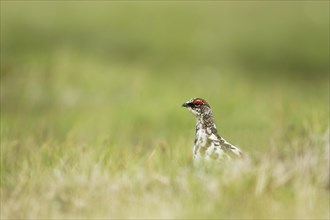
(91, 123)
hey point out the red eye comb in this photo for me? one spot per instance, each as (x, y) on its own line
(198, 102)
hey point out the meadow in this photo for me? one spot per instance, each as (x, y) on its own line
(91, 118)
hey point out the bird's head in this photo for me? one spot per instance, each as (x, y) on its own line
(197, 106)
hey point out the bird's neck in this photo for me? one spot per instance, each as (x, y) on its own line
(205, 120)
(199, 123)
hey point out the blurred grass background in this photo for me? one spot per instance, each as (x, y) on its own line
(91, 123)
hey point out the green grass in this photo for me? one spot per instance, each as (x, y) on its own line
(91, 117)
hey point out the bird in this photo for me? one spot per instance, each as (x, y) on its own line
(208, 144)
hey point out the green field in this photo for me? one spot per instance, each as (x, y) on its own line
(91, 118)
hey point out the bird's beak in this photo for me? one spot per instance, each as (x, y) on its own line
(185, 104)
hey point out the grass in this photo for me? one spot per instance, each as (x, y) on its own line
(91, 123)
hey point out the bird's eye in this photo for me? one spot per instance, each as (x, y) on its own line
(198, 102)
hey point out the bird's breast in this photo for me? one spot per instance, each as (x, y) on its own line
(201, 137)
